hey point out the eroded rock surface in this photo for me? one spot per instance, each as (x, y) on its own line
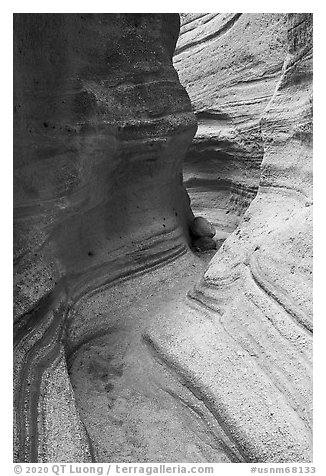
(230, 64)
(101, 125)
(127, 348)
(243, 342)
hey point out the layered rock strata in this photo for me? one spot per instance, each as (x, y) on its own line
(119, 355)
(101, 124)
(230, 64)
(243, 343)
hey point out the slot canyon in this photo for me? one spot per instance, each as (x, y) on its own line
(133, 341)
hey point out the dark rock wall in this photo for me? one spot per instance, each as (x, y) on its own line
(101, 124)
(101, 127)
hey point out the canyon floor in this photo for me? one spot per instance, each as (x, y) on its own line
(133, 406)
(126, 128)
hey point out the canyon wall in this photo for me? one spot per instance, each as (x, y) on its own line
(230, 64)
(101, 124)
(128, 348)
(243, 342)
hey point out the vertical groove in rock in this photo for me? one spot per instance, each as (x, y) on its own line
(101, 125)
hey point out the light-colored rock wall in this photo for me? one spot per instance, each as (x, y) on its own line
(230, 64)
(118, 356)
(243, 342)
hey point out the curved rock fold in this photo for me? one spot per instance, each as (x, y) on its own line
(130, 346)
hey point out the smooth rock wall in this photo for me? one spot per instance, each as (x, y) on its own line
(230, 64)
(243, 342)
(101, 124)
(112, 354)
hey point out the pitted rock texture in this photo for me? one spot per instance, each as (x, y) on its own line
(243, 342)
(101, 125)
(230, 64)
(128, 347)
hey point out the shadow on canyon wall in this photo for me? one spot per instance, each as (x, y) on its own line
(128, 345)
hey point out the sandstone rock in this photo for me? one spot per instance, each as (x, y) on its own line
(205, 244)
(230, 64)
(119, 355)
(201, 227)
(101, 124)
(244, 342)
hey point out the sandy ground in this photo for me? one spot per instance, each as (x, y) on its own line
(134, 408)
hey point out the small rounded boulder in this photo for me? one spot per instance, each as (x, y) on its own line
(200, 227)
(205, 243)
